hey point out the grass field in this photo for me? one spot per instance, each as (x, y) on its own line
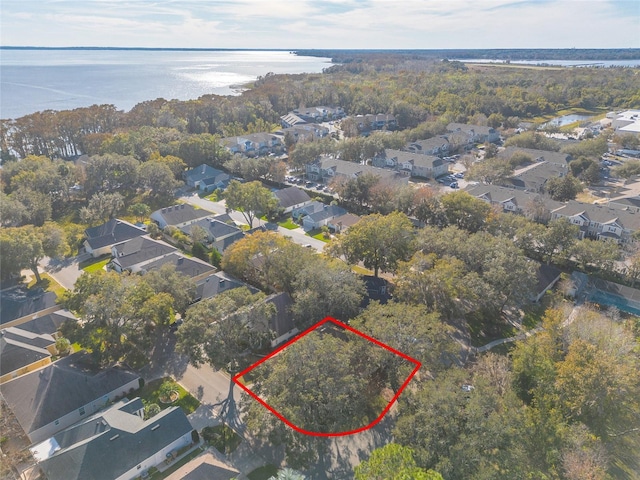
(95, 264)
(288, 224)
(48, 284)
(318, 235)
(150, 393)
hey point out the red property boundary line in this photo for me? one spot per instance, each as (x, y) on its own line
(295, 339)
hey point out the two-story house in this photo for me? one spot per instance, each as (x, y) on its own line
(219, 235)
(438, 146)
(511, 199)
(253, 144)
(134, 254)
(475, 133)
(601, 222)
(411, 164)
(326, 169)
(380, 121)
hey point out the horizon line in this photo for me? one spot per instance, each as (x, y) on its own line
(94, 47)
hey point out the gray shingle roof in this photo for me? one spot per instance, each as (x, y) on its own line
(107, 446)
(536, 155)
(215, 228)
(627, 217)
(137, 250)
(38, 398)
(328, 212)
(282, 321)
(291, 196)
(17, 350)
(50, 323)
(205, 171)
(20, 302)
(112, 232)
(191, 267)
(218, 283)
(178, 214)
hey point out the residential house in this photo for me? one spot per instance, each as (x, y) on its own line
(100, 239)
(206, 178)
(253, 144)
(316, 114)
(601, 222)
(536, 155)
(117, 444)
(438, 146)
(327, 169)
(19, 305)
(22, 352)
(216, 284)
(475, 133)
(411, 164)
(343, 222)
(134, 254)
(535, 177)
(207, 466)
(220, 235)
(377, 288)
(292, 198)
(281, 323)
(380, 121)
(319, 219)
(191, 267)
(60, 394)
(510, 199)
(291, 120)
(305, 132)
(311, 207)
(48, 324)
(546, 277)
(178, 215)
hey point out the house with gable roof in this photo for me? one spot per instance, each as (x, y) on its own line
(411, 164)
(510, 199)
(62, 393)
(475, 133)
(323, 217)
(438, 146)
(292, 198)
(206, 178)
(220, 235)
(326, 169)
(134, 254)
(100, 239)
(253, 144)
(178, 215)
(22, 352)
(601, 222)
(117, 444)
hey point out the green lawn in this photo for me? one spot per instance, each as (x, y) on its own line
(263, 473)
(318, 235)
(361, 270)
(95, 264)
(223, 438)
(48, 284)
(289, 224)
(150, 394)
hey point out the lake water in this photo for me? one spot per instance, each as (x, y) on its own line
(561, 63)
(35, 80)
(566, 120)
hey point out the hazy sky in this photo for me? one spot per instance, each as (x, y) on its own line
(293, 24)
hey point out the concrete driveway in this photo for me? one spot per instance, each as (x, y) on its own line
(64, 271)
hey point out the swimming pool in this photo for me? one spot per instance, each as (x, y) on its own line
(611, 300)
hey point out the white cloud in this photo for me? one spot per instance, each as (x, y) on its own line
(322, 23)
